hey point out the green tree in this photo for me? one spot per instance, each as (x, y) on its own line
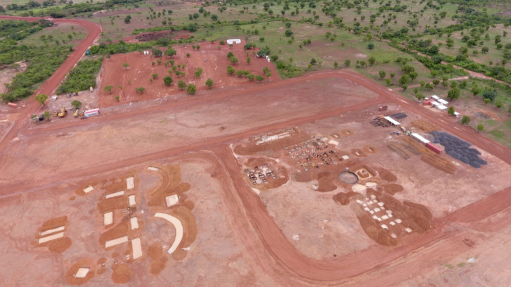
(370, 46)
(155, 76)
(248, 60)
(371, 60)
(288, 33)
(126, 65)
(454, 93)
(181, 84)
(191, 89)
(231, 70)
(465, 120)
(259, 78)
(450, 111)
(436, 82)
(336, 65)
(392, 75)
(157, 52)
(198, 72)
(167, 80)
(76, 104)
(475, 90)
(209, 83)
(388, 81)
(480, 127)
(498, 104)
(268, 75)
(347, 63)
(170, 52)
(382, 74)
(419, 96)
(41, 99)
(108, 89)
(140, 90)
(313, 61)
(233, 60)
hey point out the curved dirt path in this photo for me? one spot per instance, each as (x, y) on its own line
(93, 32)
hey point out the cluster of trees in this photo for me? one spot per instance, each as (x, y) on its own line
(251, 77)
(82, 77)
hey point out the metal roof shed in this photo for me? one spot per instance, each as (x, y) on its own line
(392, 121)
(443, 102)
(441, 107)
(420, 138)
(435, 97)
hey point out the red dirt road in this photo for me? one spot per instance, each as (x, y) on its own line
(52, 83)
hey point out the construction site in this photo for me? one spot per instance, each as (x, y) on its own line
(323, 179)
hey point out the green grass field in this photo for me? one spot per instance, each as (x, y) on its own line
(60, 33)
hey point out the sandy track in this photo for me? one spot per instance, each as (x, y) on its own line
(52, 83)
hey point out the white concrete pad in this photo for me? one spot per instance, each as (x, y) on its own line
(134, 223)
(398, 220)
(132, 200)
(117, 241)
(385, 217)
(172, 200)
(51, 237)
(392, 223)
(373, 196)
(130, 182)
(152, 168)
(108, 218)
(393, 236)
(137, 248)
(115, 194)
(179, 229)
(345, 157)
(384, 226)
(381, 203)
(50, 231)
(88, 189)
(371, 184)
(366, 209)
(408, 230)
(377, 210)
(82, 272)
(333, 142)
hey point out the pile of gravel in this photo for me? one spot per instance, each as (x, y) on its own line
(459, 149)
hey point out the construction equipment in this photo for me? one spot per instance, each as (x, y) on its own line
(76, 113)
(56, 114)
(383, 108)
(63, 112)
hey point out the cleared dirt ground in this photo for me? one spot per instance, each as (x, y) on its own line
(212, 60)
(44, 166)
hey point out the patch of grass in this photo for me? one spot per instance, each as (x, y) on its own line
(461, 265)
(450, 266)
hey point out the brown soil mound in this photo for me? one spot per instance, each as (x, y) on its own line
(439, 162)
(358, 152)
(370, 149)
(60, 245)
(344, 197)
(348, 132)
(155, 250)
(101, 271)
(413, 215)
(326, 182)
(158, 265)
(425, 125)
(101, 260)
(387, 175)
(54, 223)
(115, 254)
(117, 231)
(85, 263)
(400, 151)
(72, 198)
(171, 184)
(392, 188)
(277, 169)
(373, 230)
(121, 273)
(110, 204)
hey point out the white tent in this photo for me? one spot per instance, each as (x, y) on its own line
(392, 121)
(233, 41)
(443, 102)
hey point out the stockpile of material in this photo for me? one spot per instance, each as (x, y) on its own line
(459, 149)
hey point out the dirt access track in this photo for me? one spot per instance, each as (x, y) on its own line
(93, 33)
(59, 154)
